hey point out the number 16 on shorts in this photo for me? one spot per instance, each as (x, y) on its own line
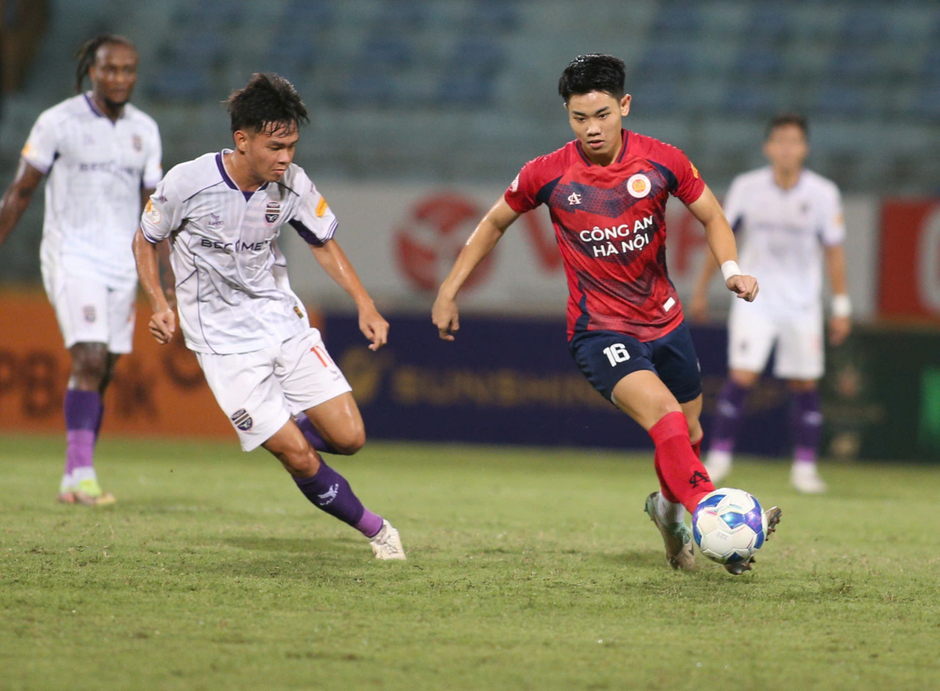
(616, 353)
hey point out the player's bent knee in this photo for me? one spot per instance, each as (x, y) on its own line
(350, 441)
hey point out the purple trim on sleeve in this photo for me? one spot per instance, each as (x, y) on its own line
(308, 235)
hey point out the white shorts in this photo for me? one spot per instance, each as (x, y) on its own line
(753, 330)
(88, 311)
(261, 390)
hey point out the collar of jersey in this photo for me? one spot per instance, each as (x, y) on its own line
(225, 176)
(95, 109)
(623, 148)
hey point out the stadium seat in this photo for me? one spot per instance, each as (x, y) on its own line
(837, 100)
(466, 90)
(866, 26)
(489, 16)
(677, 20)
(756, 101)
(855, 65)
(477, 55)
(768, 23)
(759, 64)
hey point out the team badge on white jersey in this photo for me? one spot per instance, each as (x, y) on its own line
(272, 211)
(639, 185)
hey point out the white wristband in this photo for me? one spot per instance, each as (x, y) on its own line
(841, 306)
(730, 268)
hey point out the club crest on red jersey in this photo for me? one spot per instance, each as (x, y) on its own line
(639, 185)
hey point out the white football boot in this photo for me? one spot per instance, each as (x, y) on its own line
(718, 465)
(805, 478)
(387, 543)
(676, 537)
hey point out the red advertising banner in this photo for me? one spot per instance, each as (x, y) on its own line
(909, 277)
(157, 390)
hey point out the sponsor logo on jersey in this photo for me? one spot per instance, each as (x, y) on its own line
(238, 246)
(272, 212)
(298, 312)
(137, 142)
(639, 185)
(215, 221)
(514, 185)
(242, 419)
(27, 149)
(694, 170)
(574, 198)
(152, 212)
(88, 311)
(322, 206)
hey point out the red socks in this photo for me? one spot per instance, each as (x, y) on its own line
(682, 477)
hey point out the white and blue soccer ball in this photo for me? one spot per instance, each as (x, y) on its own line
(729, 526)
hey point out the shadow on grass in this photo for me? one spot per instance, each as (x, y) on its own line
(634, 558)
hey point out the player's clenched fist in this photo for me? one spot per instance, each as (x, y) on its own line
(444, 316)
(745, 287)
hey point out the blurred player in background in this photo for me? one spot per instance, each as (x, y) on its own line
(607, 192)
(102, 158)
(264, 363)
(792, 223)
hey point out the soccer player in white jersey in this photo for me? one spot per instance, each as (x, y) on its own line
(792, 223)
(101, 157)
(222, 213)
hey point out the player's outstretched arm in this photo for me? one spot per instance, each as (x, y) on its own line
(337, 265)
(163, 322)
(720, 239)
(481, 242)
(17, 197)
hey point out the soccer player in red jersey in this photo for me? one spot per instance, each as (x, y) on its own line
(607, 192)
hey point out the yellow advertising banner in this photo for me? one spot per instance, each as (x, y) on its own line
(156, 391)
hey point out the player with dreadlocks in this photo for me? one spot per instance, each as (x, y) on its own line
(101, 157)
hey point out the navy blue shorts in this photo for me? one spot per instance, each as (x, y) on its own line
(606, 357)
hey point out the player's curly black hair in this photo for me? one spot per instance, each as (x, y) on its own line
(784, 119)
(88, 53)
(267, 104)
(593, 72)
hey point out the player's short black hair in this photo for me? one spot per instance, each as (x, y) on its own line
(87, 54)
(593, 72)
(268, 103)
(785, 119)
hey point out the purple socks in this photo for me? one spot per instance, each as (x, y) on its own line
(311, 435)
(330, 492)
(728, 416)
(83, 412)
(805, 425)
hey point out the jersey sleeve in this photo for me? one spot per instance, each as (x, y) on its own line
(164, 211)
(832, 222)
(522, 192)
(42, 145)
(733, 205)
(688, 183)
(313, 219)
(153, 169)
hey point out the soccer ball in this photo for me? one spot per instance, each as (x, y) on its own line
(729, 526)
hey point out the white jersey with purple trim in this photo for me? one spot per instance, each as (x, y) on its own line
(96, 169)
(784, 232)
(232, 291)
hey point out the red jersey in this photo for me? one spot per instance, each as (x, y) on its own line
(611, 228)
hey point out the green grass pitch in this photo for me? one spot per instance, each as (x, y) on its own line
(527, 569)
